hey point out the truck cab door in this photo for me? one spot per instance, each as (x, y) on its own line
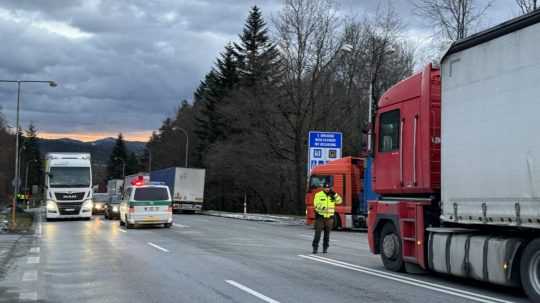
(388, 173)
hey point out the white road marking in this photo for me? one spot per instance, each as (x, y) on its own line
(180, 225)
(406, 280)
(251, 291)
(34, 250)
(32, 260)
(122, 230)
(28, 296)
(158, 247)
(29, 275)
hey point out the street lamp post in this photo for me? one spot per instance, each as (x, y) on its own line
(17, 127)
(187, 143)
(149, 160)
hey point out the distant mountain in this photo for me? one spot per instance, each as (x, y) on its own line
(100, 149)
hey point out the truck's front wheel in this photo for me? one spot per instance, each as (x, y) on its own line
(530, 270)
(390, 248)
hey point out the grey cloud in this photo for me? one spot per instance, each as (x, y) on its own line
(143, 57)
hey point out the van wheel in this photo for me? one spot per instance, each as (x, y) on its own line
(390, 248)
(530, 270)
(128, 225)
(167, 225)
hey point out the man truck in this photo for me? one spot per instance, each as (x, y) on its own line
(186, 186)
(457, 162)
(351, 179)
(68, 185)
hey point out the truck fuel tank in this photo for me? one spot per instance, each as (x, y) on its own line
(470, 254)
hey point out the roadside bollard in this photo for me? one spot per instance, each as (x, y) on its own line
(245, 206)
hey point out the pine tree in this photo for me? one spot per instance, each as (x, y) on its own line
(132, 164)
(117, 159)
(257, 56)
(211, 94)
(31, 159)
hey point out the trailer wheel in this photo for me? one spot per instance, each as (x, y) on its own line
(530, 270)
(390, 248)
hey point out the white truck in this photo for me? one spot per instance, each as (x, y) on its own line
(186, 186)
(68, 185)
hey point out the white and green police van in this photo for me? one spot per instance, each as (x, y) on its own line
(146, 204)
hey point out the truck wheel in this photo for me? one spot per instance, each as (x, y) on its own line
(390, 248)
(530, 270)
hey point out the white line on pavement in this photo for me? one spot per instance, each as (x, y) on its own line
(406, 280)
(28, 296)
(180, 225)
(29, 275)
(251, 291)
(122, 230)
(34, 250)
(32, 260)
(158, 247)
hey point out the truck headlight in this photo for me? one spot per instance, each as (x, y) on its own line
(87, 205)
(51, 206)
(115, 209)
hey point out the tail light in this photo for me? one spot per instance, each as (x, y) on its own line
(131, 209)
(169, 209)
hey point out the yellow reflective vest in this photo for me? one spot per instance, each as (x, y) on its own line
(326, 205)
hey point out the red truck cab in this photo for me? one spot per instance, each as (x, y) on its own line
(346, 175)
(406, 168)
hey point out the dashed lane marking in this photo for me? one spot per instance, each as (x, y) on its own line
(158, 247)
(32, 260)
(251, 291)
(28, 296)
(29, 275)
(180, 225)
(410, 281)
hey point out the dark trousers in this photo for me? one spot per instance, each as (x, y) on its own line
(322, 224)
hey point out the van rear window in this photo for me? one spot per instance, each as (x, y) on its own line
(151, 194)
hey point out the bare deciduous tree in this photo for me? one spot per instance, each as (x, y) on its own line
(454, 19)
(527, 6)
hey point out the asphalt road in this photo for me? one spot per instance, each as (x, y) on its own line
(212, 259)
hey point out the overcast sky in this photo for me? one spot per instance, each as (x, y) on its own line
(124, 65)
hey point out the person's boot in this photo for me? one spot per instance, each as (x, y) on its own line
(314, 250)
(325, 250)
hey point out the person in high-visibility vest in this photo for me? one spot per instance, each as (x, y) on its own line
(325, 206)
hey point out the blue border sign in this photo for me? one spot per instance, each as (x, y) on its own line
(323, 147)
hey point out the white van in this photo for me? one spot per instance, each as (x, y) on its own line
(146, 204)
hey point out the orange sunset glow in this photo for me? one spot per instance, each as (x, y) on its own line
(142, 136)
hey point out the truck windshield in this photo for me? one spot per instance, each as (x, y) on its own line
(151, 194)
(69, 177)
(320, 181)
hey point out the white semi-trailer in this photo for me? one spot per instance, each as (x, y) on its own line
(68, 185)
(186, 186)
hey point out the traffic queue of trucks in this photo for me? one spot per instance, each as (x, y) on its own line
(457, 162)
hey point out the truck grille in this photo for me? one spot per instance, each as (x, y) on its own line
(69, 196)
(69, 208)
